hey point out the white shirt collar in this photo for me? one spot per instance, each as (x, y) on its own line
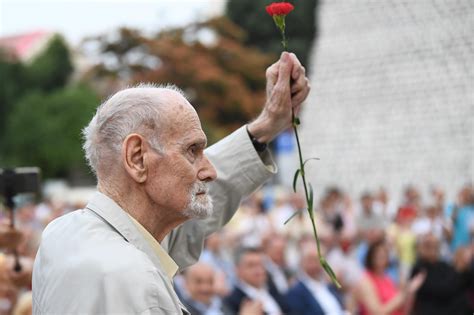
(321, 293)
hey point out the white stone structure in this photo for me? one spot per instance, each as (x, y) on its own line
(392, 99)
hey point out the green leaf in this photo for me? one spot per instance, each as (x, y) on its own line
(304, 163)
(311, 196)
(292, 216)
(330, 272)
(295, 178)
(296, 121)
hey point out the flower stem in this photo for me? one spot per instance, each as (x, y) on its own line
(303, 177)
(284, 42)
(309, 203)
(308, 195)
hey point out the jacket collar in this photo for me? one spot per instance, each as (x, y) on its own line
(110, 211)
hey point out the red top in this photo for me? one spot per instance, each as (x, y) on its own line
(386, 290)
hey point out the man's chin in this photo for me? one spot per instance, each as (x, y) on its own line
(200, 210)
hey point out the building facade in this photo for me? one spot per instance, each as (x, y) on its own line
(392, 99)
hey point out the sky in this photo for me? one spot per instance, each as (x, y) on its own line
(76, 19)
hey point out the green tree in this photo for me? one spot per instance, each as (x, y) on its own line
(52, 68)
(262, 33)
(13, 77)
(44, 129)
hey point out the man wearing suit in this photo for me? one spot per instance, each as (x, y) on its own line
(200, 297)
(275, 263)
(153, 208)
(311, 295)
(252, 285)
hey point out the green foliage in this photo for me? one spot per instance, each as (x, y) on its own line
(41, 118)
(43, 129)
(262, 33)
(52, 68)
(13, 77)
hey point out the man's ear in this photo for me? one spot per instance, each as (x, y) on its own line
(133, 157)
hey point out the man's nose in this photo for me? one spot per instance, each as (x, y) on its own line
(207, 172)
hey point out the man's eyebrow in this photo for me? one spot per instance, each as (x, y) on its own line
(201, 142)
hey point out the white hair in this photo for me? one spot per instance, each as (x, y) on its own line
(134, 109)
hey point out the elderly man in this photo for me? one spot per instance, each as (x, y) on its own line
(146, 145)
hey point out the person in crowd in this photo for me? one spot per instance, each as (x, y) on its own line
(370, 226)
(332, 208)
(252, 285)
(201, 298)
(376, 293)
(153, 208)
(384, 205)
(278, 272)
(214, 255)
(13, 282)
(10, 238)
(368, 221)
(312, 295)
(445, 288)
(411, 198)
(343, 260)
(400, 233)
(462, 216)
(432, 221)
(254, 224)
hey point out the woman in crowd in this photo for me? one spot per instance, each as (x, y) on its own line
(376, 293)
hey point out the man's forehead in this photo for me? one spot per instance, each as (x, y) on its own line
(196, 137)
(181, 117)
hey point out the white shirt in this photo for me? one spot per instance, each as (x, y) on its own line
(278, 276)
(270, 306)
(321, 293)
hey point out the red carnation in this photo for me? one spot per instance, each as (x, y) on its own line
(279, 8)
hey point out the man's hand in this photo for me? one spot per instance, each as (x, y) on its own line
(250, 307)
(287, 87)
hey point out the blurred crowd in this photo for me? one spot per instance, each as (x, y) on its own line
(414, 256)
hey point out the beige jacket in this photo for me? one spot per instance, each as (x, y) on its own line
(96, 261)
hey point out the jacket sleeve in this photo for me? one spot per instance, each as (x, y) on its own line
(240, 171)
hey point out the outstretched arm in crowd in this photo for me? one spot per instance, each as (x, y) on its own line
(365, 293)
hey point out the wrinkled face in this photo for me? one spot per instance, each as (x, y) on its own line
(199, 284)
(179, 175)
(251, 269)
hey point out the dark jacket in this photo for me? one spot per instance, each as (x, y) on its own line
(444, 290)
(236, 297)
(302, 301)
